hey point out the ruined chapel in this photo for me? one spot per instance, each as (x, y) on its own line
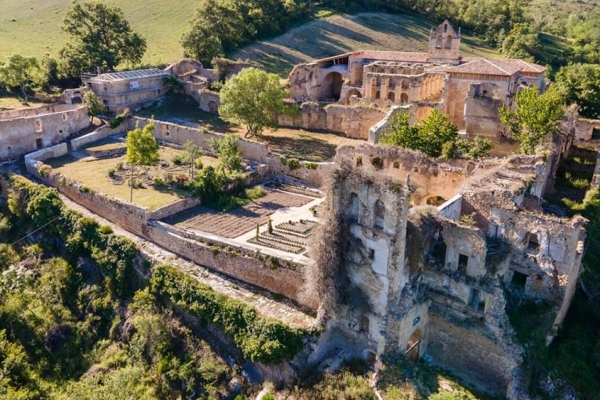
(469, 90)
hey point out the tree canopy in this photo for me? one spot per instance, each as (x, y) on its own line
(142, 149)
(95, 105)
(230, 156)
(253, 98)
(535, 116)
(580, 83)
(99, 37)
(19, 72)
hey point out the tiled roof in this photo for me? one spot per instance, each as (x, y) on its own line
(497, 66)
(406, 56)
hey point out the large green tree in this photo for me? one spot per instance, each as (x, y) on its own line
(230, 156)
(94, 104)
(100, 37)
(253, 98)
(580, 83)
(19, 72)
(535, 116)
(429, 136)
(142, 149)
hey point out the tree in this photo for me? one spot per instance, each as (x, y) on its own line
(253, 98)
(230, 156)
(429, 136)
(192, 152)
(95, 105)
(142, 149)
(100, 37)
(19, 72)
(200, 43)
(580, 83)
(536, 115)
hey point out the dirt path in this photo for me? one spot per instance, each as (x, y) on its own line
(262, 300)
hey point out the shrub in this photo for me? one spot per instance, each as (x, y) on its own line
(45, 170)
(178, 159)
(181, 178)
(118, 120)
(293, 163)
(199, 164)
(311, 165)
(158, 181)
(283, 160)
(111, 172)
(120, 166)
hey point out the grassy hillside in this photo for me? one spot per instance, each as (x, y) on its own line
(32, 27)
(344, 33)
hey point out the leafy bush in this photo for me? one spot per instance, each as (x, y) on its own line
(293, 163)
(259, 339)
(111, 172)
(118, 120)
(283, 160)
(178, 159)
(158, 181)
(45, 170)
(311, 165)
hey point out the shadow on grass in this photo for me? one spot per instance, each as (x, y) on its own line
(309, 149)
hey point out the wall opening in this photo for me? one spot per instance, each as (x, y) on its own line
(413, 346)
(439, 42)
(379, 213)
(449, 42)
(377, 95)
(38, 125)
(596, 133)
(363, 324)
(39, 143)
(403, 99)
(519, 280)
(354, 92)
(333, 86)
(405, 84)
(391, 96)
(353, 210)
(476, 302)
(371, 254)
(533, 243)
(463, 262)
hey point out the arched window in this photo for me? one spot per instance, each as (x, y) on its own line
(403, 98)
(449, 42)
(377, 95)
(379, 213)
(445, 28)
(391, 96)
(353, 207)
(391, 83)
(439, 42)
(405, 84)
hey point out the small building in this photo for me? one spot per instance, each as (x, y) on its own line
(129, 89)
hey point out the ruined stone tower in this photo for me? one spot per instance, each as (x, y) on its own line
(444, 45)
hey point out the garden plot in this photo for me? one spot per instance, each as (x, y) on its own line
(238, 221)
(291, 236)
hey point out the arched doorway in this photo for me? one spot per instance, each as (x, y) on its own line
(332, 86)
(413, 346)
(404, 98)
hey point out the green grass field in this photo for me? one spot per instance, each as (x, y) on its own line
(32, 27)
(343, 33)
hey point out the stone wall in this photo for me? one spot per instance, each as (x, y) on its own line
(481, 117)
(312, 177)
(24, 131)
(353, 121)
(233, 261)
(58, 150)
(174, 208)
(452, 208)
(585, 129)
(100, 133)
(180, 134)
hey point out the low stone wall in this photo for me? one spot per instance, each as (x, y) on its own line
(180, 134)
(235, 261)
(354, 121)
(174, 208)
(99, 134)
(452, 208)
(383, 125)
(312, 177)
(50, 152)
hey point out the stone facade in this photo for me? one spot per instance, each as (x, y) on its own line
(435, 280)
(469, 90)
(129, 89)
(27, 130)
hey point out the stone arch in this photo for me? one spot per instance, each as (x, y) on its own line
(332, 86)
(404, 98)
(439, 42)
(377, 95)
(354, 92)
(379, 213)
(448, 42)
(391, 96)
(405, 84)
(391, 83)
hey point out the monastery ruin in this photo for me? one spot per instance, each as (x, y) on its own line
(408, 255)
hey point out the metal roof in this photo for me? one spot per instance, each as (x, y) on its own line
(128, 75)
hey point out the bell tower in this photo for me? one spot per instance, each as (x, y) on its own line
(444, 45)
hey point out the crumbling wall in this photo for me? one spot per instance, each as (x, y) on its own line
(585, 129)
(101, 133)
(304, 80)
(311, 176)
(180, 134)
(481, 117)
(353, 121)
(24, 131)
